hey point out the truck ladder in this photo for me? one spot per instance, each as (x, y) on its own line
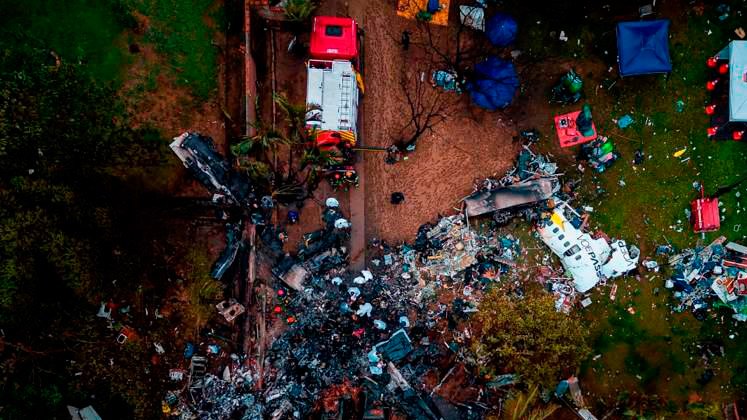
(345, 113)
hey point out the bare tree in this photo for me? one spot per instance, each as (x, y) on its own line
(454, 48)
(427, 107)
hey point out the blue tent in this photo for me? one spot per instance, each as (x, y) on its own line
(643, 47)
(501, 29)
(494, 84)
(433, 6)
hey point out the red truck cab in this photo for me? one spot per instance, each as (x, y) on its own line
(334, 38)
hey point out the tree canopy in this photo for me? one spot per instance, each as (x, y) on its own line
(527, 336)
(66, 237)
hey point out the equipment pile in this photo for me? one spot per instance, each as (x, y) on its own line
(704, 273)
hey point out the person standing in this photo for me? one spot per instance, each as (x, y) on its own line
(405, 40)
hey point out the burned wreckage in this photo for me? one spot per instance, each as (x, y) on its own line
(373, 344)
(393, 340)
(198, 154)
(532, 190)
(232, 191)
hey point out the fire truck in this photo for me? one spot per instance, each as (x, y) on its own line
(333, 87)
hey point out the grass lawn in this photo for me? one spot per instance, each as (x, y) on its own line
(98, 33)
(85, 31)
(183, 31)
(650, 360)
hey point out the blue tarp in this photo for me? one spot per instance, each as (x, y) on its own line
(501, 29)
(494, 84)
(643, 47)
(433, 6)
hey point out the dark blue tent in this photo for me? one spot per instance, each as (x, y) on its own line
(501, 29)
(494, 84)
(643, 47)
(433, 6)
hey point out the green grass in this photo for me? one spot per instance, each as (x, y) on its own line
(182, 30)
(84, 31)
(660, 190)
(652, 352)
(96, 34)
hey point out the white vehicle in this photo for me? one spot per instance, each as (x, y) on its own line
(332, 96)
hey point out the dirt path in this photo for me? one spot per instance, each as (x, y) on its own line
(468, 145)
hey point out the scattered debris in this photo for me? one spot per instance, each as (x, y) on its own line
(403, 320)
(625, 121)
(230, 309)
(704, 273)
(198, 154)
(569, 88)
(85, 413)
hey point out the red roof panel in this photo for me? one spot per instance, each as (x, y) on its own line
(705, 215)
(334, 38)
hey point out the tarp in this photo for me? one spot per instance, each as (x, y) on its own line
(473, 17)
(494, 84)
(568, 133)
(643, 47)
(410, 8)
(737, 82)
(501, 29)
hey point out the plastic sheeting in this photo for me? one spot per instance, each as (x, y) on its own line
(472, 17)
(494, 84)
(501, 29)
(643, 47)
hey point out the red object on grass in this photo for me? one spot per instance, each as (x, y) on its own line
(705, 215)
(711, 131)
(334, 38)
(568, 134)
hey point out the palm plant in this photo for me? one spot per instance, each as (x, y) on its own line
(298, 134)
(295, 116)
(299, 10)
(265, 142)
(257, 155)
(524, 406)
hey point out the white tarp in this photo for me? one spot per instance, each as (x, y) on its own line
(736, 53)
(472, 17)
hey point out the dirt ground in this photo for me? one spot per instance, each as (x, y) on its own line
(441, 171)
(155, 100)
(469, 145)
